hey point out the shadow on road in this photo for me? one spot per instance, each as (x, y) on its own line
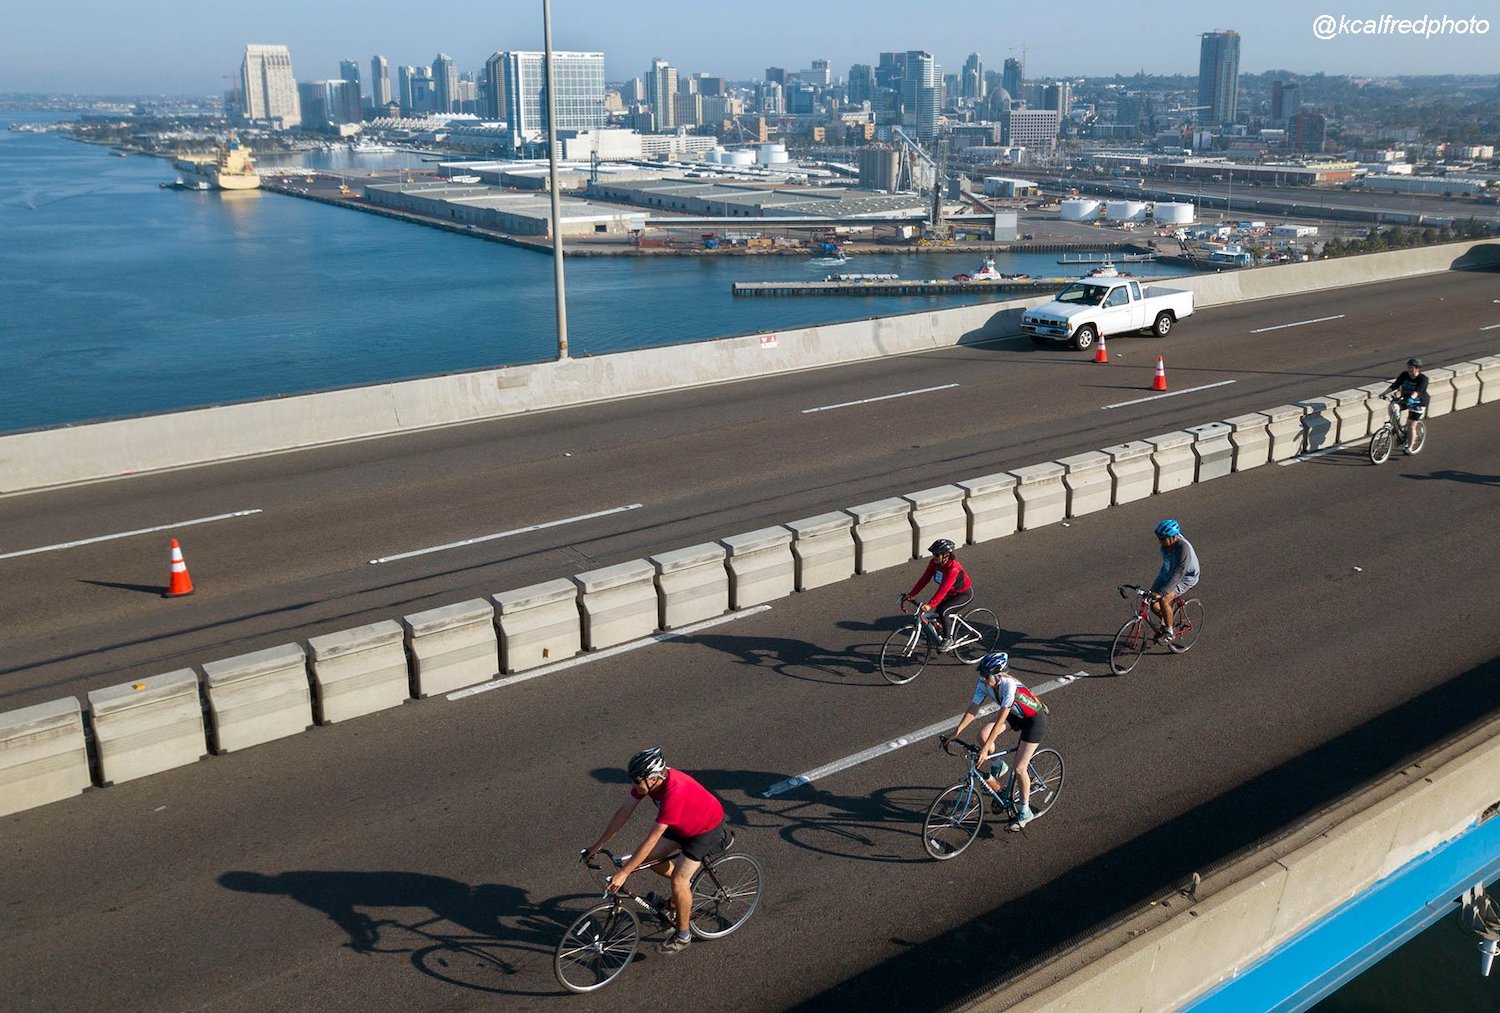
(489, 937)
(972, 956)
(1448, 475)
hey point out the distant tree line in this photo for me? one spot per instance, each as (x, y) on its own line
(1400, 237)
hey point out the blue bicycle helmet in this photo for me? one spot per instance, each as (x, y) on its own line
(1168, 529)
(994, 663)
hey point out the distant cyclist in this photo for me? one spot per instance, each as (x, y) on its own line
(1412, 383)
(1020, 709)
(689, 817)
(1179, 571)
(954, 590)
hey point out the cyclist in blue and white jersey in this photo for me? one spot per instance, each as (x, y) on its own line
(1020, 709)
(1179, 571)
(1412, 383)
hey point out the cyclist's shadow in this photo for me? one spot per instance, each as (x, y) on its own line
(489, 937)
(796, 659)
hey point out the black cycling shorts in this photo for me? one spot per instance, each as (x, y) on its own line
(1032, 729)
(700, 847)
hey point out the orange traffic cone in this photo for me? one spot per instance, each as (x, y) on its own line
(1101, 354)
(1160, 382)
(180, 583)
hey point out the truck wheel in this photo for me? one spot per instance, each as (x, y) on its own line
(1163, 325)
(1083, 338)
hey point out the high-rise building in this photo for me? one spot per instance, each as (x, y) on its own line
(1029, 128)
(971, 85)
(445, 80)
(494, 87)
(661, 85)
(776, 75)
(418, 96)
(1219, 77)
(819, 74)
(349, 71)
(861, 86)
(578, 85)
(269, 87)
(1286, 102)
(380, 82)
(920, 94)
(1058, 96)
(710, 84)
(328, 103)
(1014, 77)
(1307, 131)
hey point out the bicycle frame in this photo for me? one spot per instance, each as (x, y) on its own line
(963, 633)
(1130, 643)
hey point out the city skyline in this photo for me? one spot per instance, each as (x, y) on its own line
(123, 51)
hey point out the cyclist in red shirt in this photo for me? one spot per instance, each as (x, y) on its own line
(688, 817)
(954, 589)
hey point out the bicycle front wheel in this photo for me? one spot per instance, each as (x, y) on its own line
(725, 895)
(1129, 645)
(1046, 770)
(1188, 618)
(904, 654)
(952, 822)
(986, 634)
(597, 947)
(1418, 436)
(1380, 445)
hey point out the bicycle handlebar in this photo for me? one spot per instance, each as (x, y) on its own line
(1135, 589)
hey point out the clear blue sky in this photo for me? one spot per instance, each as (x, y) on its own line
(187, 47)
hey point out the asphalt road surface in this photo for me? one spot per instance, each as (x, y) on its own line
(423, 858)
(702, 464)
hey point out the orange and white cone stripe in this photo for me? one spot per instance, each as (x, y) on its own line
(1159, 382)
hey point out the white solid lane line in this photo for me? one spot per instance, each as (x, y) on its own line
(871, 400)
(1297, 323)
(1170, 393)
(901, 742)
(131, 534)
(608, 652)
(1491, 327)
(507, 534)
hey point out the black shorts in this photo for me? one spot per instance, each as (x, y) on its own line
(700, 847)
(1032, 729)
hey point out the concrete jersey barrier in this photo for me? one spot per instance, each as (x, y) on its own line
(148, 726)
(43, 755)
(258, 697)
(80, 453)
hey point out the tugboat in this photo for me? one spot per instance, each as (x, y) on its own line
(987, 272)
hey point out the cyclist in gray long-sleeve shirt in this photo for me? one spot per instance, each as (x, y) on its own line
(1179, 571)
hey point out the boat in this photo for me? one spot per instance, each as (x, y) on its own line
(987, 272)
(181, 184)
(836, 259)
(862, 277)
(230, 169)
(1105, 271)
(369, 148)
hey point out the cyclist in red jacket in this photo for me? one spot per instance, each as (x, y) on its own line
(954, 590)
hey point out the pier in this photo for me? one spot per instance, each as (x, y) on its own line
(915, 286)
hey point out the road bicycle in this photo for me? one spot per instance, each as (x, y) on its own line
(602, 941)
(1145, 628)
(906, 651)
(955, 816)
(1387, 437)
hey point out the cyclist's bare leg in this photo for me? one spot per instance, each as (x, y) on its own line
(990, 779)
(1024, 752)
(1161, 604)
(682, 891)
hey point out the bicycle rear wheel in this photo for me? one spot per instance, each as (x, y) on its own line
(597, 947)
(1418, 436)
(904, 654)
(1129, 645)
(1188, 618)
(1380, 445)
(987, 631)
(1046, 770)
(953, 821)
(725, 895)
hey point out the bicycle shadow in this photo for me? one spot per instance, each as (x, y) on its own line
(795, 659)
(1449, 475)
(883, 827)
(490, 938)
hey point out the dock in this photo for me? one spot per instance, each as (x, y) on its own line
(1033, 286)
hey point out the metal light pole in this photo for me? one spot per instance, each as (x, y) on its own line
(557, 251)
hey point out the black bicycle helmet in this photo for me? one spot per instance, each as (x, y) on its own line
(645, 763)
(1414, 361)
(941, 545)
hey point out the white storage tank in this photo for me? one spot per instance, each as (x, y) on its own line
(1174, 212)
(738, 157)
(1079, 209)
(772, 154)
(714, 156)
(1125, 211)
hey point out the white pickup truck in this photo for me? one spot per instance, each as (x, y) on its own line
(1093, 306)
